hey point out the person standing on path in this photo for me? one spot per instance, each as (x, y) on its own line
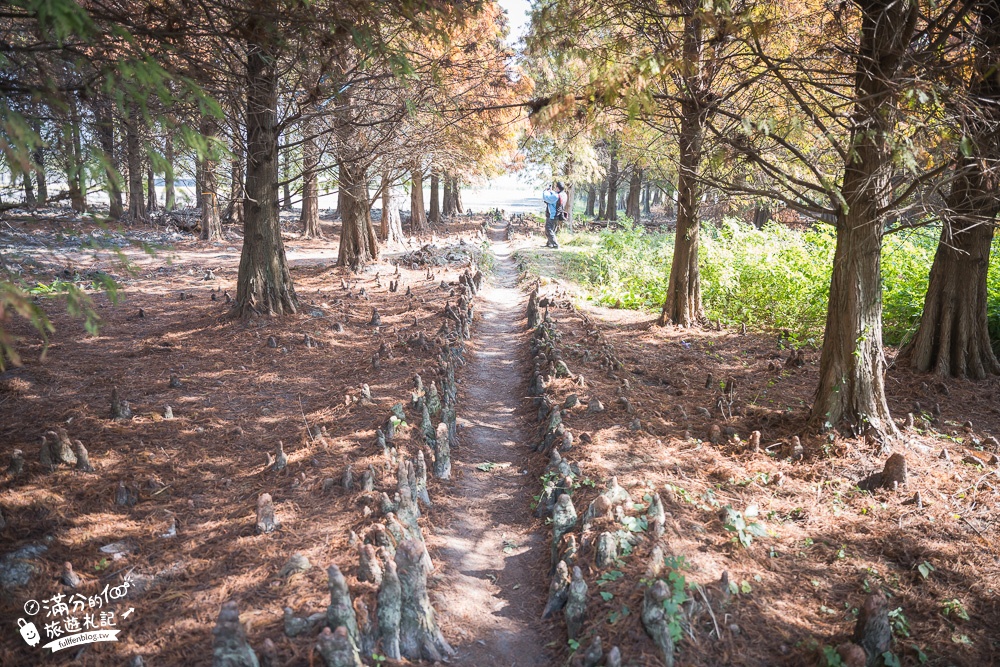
(551, 199)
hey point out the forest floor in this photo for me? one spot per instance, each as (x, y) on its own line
(823, 543)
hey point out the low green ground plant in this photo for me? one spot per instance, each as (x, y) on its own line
(775, 278)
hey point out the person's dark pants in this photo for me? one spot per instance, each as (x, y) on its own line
(550, 232)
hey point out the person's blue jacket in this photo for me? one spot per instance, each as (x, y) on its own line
(551, 198)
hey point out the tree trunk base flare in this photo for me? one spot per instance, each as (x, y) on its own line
(358, 243)
(309, 218)
(576, 604)
(633, 203)
(683, 306)
(872, 631)
(953, 338)
(264, 282)
(230, 647)
(391, 227)
(851, 391)
(211, 223)
(654, 619)
(336, 648)
(419, 635)
(266, 520)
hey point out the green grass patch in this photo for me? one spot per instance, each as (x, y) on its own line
(769, 279)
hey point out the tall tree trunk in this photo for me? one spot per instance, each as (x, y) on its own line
(133, 156)
(309, 218)
(647, 194)
(434, 215)
(683, 304)
(953, 336)
(38, 157)
(418, 218)
(633, 204)
(392, 224)
(264, 283)
(29, 191)
(199, 182)
(456, 193)
(570, 196)
(602, 211)
(106, 138)
(358, 243)
(851, 391)
(234, 211)
(211, 225)
(591, 199)
(286, 178)
(169, 192)
(151, 204)
(761, 214)
(611, 210)
(448, 200)
(75, 173)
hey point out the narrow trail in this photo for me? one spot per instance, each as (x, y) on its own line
(491, 603)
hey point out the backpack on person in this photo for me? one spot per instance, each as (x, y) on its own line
(562, 213)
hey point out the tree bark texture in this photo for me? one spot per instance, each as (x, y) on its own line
(169, 192)
(29, 191)
(851, 391)
(448, 198)
(683, 305)
(106, 138)
(611, 209)
(953, 338)
(591, 199)
(74, 171)
(391, 231)
(309, 217)
(633, 204)
(434, 214)
(418, 218)
(211, 224)
(264, 283)
(133, 151)
(234, 211)
(358, 243)
(456, 193)
(151, 204)
(286, 182)
(38, 157)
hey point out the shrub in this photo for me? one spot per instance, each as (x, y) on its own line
(775, 278)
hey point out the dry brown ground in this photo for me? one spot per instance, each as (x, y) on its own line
(205, 468)
(829, 542)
